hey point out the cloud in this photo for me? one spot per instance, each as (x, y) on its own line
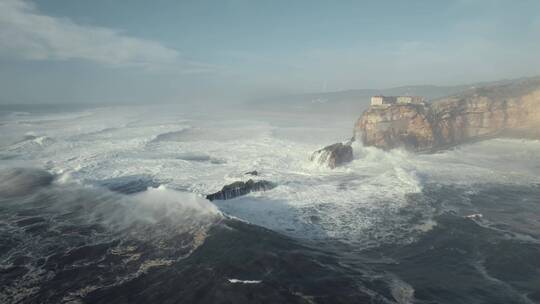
(25, 33)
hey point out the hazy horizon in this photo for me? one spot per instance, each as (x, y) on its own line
(203, 51)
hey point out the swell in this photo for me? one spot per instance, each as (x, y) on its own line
(65, 240)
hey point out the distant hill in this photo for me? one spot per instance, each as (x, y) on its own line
(354, 102)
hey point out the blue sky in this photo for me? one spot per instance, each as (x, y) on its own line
(184, 51)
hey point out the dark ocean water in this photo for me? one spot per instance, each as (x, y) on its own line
(85, 244)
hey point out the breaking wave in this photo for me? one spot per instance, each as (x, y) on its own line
(110, 213)
(51, 231)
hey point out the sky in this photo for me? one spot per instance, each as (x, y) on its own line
(173, 51)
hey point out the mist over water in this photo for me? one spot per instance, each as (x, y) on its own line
(99, 202)
(165, 153)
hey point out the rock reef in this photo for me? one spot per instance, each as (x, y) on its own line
(510, 109)
(240, 188)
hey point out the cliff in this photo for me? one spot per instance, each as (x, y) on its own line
(511, 109)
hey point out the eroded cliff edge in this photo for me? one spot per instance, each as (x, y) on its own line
(511, 109)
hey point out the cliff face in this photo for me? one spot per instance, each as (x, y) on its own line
(396, 126)
(503, 110)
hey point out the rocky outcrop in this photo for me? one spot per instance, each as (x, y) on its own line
(334, 155)
(240, 188)
(406, 126)
(511, 109)
(252, 173)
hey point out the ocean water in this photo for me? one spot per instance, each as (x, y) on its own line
(106, 205)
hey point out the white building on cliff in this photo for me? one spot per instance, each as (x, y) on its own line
(410, 100)
(377, 100)
(380, 100)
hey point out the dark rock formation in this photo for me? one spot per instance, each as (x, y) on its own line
(240, 188)
(253, 173)
(333, 155)
(511, 109)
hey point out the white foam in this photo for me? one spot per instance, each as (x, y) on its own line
(402, 292)
(360, 200)
(236, 281)
(426, 226)
(475, 216)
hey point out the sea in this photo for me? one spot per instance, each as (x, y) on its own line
(106, 204)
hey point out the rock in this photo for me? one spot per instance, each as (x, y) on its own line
(511, 109)
(240, 188)
(253, 173)
(334, 155)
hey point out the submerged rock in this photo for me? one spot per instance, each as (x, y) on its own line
(334, 155)
(240, 188)
(129, 184)
(254, 173)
